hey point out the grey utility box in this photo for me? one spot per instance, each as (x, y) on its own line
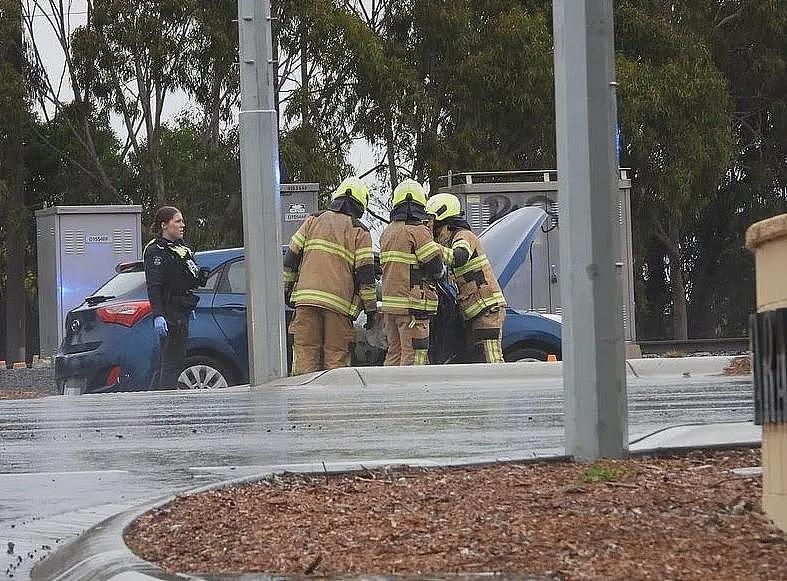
(78, 249)
(487, 196)
(298, 202)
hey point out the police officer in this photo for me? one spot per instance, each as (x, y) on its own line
(329, 277)
(412, 262)
(481, 300)
(171, 276)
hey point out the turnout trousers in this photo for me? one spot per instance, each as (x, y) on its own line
(486, 334)
(408, 340)
(322, 339)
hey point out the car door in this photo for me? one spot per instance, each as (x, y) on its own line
(229, 307)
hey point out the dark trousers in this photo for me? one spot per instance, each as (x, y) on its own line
(173, 351)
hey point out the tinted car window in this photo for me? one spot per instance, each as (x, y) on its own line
(236, 277)
(123, 284)
(213, 280)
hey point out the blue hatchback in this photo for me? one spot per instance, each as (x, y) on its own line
(110, 344)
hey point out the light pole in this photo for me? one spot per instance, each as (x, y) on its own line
(259, 156)
(594, 373)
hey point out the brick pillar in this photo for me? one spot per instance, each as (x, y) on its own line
(768, 241)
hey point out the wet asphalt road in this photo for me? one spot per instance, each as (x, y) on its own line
(72, 461)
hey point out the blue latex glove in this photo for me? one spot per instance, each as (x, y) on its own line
(160, 323)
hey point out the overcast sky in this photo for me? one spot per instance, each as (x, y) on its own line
(360, 157)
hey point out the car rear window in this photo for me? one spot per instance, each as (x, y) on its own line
(123, 284)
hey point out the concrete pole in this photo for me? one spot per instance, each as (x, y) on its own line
(259, 157)
(593, 346)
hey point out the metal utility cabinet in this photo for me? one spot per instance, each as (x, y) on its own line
(298, 202)
(487, 196)
(78, 249)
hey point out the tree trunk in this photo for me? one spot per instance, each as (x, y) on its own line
(391, 154)
(156, 172)
(13, 164)
(305, 77)
(680, 323)
(16, 248)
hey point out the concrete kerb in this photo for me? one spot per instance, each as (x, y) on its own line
(451, 374)
(101, 554)
(680, 366)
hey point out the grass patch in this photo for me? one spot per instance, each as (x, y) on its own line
(603, 473)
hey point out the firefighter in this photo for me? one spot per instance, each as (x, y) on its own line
(171, 276)
(480, 299)
(328, 278)
(411, 262)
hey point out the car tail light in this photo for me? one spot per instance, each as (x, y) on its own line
(114, 376)
(126, 314)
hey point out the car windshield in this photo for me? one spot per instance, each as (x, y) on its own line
(123, 284)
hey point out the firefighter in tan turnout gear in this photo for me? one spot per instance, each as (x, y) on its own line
(411, 262)
(329, 277)
(480, 299)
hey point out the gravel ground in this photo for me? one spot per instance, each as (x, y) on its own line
(20, 394)
(677, 517)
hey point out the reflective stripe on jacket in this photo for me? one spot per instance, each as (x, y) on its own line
(477, 283)
(411, 260)
(332, 265)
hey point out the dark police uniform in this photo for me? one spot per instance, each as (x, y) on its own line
(171, 275)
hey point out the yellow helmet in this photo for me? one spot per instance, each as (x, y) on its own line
(355, 188)
(409, 191)
(443, 206)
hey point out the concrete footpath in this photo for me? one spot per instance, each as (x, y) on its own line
(434, 416)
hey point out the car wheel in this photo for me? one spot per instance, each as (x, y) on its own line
(203, 373)
(526, 353)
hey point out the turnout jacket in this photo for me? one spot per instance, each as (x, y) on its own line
(411, 262)
(477, 283)
(329, 264)
(170, 274)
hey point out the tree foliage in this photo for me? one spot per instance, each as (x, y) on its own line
(429, 86)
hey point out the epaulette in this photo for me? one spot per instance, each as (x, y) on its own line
(358, 224)
(156, 243)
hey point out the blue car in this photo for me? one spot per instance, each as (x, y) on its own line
(110, 344)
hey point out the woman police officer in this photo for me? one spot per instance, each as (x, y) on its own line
(171, 276)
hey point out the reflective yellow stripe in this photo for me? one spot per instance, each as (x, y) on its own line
(330, 247)
(421, 357)
(399, 302)
(448, 255)
(460, 243)
(475, 264)
(327, 299)
(368, 295)
(289, 276)
(426, 250)
(396, 256)
(298, 240)
(497, 299)
(364, 254)
(407, 303)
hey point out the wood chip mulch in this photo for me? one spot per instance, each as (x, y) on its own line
(739, 366)
(678, 517)
(20, 394)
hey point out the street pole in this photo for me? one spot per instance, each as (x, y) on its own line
(594, 376)
(259, 157)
